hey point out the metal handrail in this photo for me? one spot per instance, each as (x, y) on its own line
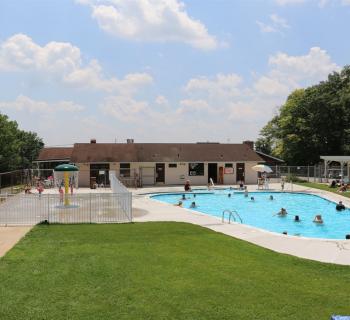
(229, 216)
(237, 214)
(233, 214)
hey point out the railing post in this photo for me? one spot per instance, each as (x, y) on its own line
(6, 216)
(130, 204)
(90, 208)
(48, 208)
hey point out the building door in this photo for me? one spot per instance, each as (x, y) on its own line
(213, 172)
(240, 168)
(99, 173)
(160, 172)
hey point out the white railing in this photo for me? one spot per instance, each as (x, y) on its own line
(118, 188)
(30, 209)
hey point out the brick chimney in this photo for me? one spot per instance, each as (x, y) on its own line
(249, 143)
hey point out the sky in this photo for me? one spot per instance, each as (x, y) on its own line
(162, 70)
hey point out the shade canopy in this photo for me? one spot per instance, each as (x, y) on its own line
(262, 168)
(66, 167)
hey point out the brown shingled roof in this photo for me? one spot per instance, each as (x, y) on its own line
(57, 153)
(161, 152)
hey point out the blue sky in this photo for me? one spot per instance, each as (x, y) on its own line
(162, 70)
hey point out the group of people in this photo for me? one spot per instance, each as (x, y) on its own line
(283, 213)
(183, 198)
(318, 217)
(39, 188)
(342, 187)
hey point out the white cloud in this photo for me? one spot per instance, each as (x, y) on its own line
(190, 106)
(279, 21)
(161, 100)
(224, 97)
(312, 67)
(208, 107)
(24, 103)
(270, 86)
(320, 3)
(151, 20)
(124, 108)
(63, 62)
(225, 85)
(275, 24)
(287, 2)
(265, 28)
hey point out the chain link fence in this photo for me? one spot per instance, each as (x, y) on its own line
(308, 173)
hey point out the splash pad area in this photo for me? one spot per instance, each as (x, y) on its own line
(82, 205)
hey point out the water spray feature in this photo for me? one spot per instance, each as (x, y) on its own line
(69, 174)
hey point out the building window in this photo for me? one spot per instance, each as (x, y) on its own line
(124, 170)
(196, 169)
(172, 165)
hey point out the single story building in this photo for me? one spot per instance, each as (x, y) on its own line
(140, 164)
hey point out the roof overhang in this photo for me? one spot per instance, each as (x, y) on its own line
(52, 160)
(336, 158)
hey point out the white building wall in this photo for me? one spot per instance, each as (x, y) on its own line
(148, 171)
(176, 175)
(173, 176)
(251, 176)
(84, 174)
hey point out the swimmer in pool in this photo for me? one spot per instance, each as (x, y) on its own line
(271, 197)
(318, 219)
(178, 204)
(229, 195)
(193, 205)
(283, 212)
(340, 206)
(296, 219)
(252, 199)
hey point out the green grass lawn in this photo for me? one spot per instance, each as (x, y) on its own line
(325, 187)
(162, 271)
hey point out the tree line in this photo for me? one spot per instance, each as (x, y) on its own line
(18, 148)
(312, 122)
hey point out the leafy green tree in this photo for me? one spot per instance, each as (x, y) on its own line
(17, 148)
(313, 121)
(29, 147)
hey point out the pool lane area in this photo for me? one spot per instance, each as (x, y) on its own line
(262, 212)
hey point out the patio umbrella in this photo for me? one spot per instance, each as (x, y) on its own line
(262, 168)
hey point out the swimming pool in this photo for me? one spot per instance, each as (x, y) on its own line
(261, 212)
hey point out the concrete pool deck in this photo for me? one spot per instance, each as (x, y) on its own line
(9, 236)
(324, 250)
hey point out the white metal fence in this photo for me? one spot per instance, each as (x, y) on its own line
(118, 188)
(29, 209)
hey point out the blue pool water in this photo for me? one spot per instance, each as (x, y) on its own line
(260, 213)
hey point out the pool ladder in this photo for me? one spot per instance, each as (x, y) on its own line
(231, 214)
